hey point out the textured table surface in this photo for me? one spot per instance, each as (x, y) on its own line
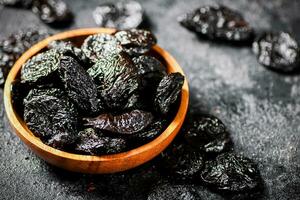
(260, 108)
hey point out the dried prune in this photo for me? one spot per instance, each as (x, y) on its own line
(136, 41)
(122, 15)
(18, 92)
(116, 78)
(164, 191)
(126, 123)
(207, 133)
(40, 67)
(93, 144)
(79, 85)
(49, 114)
(217, 22)
(17, 3)
(96, 46)
(12, 47)
(55, 12)
(277, 51)
(62, 141)
(150, 132)
(230, 172)
(182, 162)
(151, 71)
(167, 92)
(67, 48)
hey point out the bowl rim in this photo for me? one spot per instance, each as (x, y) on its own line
(28, 135)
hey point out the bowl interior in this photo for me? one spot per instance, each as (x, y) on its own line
(77, 37)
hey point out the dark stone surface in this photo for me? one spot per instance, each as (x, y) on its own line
(260, 107)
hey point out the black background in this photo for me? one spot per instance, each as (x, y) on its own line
(260, 107)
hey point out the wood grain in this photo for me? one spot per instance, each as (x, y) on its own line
(84, 163)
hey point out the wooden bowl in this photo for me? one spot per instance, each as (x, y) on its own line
(85, 163)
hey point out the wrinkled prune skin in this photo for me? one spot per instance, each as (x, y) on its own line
(167, 92)
(92, 144)
(67, 48)
(122, 15)
(136, 41)
(54, 12)
(206, 133)
(165, 191)
(12, 47)
(62, 141)
(50, 115)
(148, 64)
(217, 23)
(40, 67)
(117, 80)
(182, 162)
(97, 46)
(152, 131)
(230, 172)
(277, 51)
(17, 3)
(125, 124)
(151, 71)
(79, 85)
(18, 92)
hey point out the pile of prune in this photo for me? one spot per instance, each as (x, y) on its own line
(202, 154)
(120, 15)
(108, 96)
(53, 12)
(13, 46)
(278, 51)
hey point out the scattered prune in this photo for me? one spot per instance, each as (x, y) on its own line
(277, 51)
(51, 116)
(67, 48)
(17, 3)
(136, 41)
(206, 133)
(79, 85)
(165, 191)
(150, 132)
(217, 22)
(151, 71)
(116, 78)
(55, 12)
(182, 162)
(126, 123)
(40, 67)
(122, 15)
(91, 143)
(167, 92)
(230, 172)
(96, 46)
(12, 47)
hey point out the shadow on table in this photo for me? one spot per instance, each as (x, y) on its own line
(133, 184)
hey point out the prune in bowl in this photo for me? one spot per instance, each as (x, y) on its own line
(109, 163)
